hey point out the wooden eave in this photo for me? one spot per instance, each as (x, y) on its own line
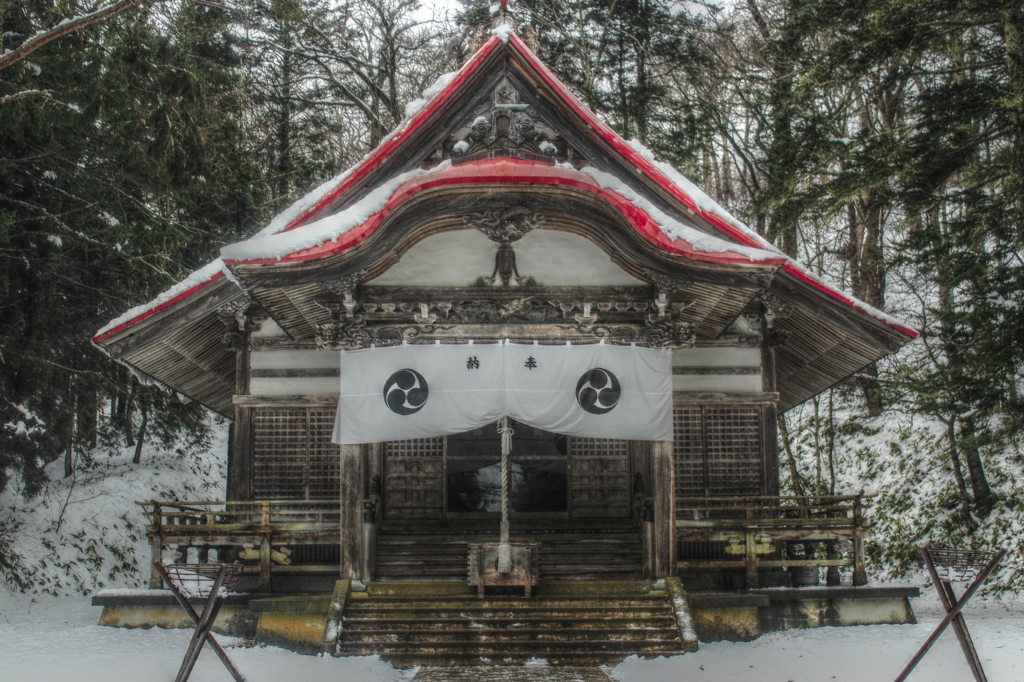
(181, 347)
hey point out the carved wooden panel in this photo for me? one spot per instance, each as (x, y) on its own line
(600, 477)
(414, 478)
(718, 450)
(293, 457)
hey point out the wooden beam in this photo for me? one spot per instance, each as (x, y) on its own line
(166, 322)
(723, 398)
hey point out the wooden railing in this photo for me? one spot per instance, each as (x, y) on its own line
(750, 528)
(261, 534)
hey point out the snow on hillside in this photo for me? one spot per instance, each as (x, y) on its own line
(902, 457)
(85, 532)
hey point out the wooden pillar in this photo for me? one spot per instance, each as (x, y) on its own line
(239, 481)
(352, 468)
(663, 488)
(156, 581)
(770, 412)
(264, 584)
(860, 572)
(240, 466)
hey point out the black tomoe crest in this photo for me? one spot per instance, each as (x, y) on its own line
(405, 392)
(598, 391)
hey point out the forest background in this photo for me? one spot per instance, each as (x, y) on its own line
(880, 142)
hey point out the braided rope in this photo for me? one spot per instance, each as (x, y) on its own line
(504, 548)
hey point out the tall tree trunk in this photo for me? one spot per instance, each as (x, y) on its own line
(799, 487)
(781, 158)
(958, 475)
(969, 448)
(142, 435)
(1013, 37)
(866, 259)
(129, 407)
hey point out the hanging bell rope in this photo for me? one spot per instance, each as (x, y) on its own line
(504, 548)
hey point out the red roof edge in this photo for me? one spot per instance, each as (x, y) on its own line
(154, 310)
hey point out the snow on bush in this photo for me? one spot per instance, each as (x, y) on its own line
(85, 532)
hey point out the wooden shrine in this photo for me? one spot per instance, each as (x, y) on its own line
(504, 209)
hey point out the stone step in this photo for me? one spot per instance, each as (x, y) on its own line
(575, 623)
(509, 637)
(526, 660)
(514, 622)
(474, 604)
(502, 649)
(527, 673)
(510, 614)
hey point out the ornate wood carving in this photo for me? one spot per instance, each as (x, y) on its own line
(778, 337)
(506, 127)
(342, 287)
(666, 333)
(235, 310)
(654, 332)
(233, 315)
(775, 308)
(505, 226)
(667, 283)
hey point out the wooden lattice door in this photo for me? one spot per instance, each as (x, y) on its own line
(293, 457)
(414, 478)
(718, 450)
(600, 477)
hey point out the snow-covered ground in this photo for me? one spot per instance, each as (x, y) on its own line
(46, 638)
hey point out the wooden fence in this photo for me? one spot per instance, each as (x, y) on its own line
(758, 530)
(263, 534)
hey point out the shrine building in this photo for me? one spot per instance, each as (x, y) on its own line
(504, 233)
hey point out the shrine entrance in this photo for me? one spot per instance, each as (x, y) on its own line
(572, 495)
(459, 476)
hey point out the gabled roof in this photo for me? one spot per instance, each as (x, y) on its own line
(663, 206)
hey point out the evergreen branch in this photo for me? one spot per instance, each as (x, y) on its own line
(62, 29)
(24, 93)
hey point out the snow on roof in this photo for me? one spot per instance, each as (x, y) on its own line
(288, 218)
(706, 204)
(323, 236)
(277, 246)
(194, 282)
(690, 195)
(702, 201)
(672, 228)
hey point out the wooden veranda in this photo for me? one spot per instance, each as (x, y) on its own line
(744, 535)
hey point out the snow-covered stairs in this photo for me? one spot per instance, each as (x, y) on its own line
(568, 623)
